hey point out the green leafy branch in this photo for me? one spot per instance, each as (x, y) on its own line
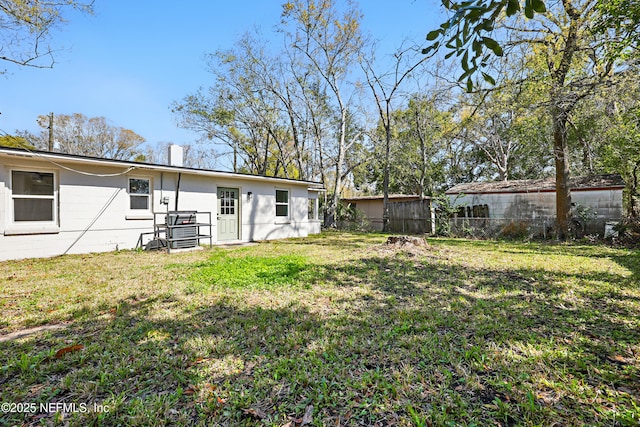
(467, 33)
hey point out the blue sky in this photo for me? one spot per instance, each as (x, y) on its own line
(132, 59)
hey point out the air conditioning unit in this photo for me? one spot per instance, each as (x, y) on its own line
(181, 227)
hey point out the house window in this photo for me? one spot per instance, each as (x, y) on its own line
(33, 196)
(313, 208)
(139, 194)
(282, 203)
(480, 211)
(475, 211)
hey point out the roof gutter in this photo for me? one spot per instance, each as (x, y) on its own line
(71, 158)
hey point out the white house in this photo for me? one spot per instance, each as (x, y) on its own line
(53, 204)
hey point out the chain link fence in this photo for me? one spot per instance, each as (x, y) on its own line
(417, 217)
(516, 228)
(540, 228)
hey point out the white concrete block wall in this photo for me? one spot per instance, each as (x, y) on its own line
(3, 198)
(94, 215)
(606, 204)
(259, 221)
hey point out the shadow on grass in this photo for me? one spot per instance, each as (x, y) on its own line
(404, 339)
(557, 300)
(630, 260)
(335, 239)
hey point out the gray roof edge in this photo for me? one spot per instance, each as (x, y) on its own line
(391, 196)
(603, 181)
(53, 156)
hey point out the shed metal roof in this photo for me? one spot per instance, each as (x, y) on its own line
(583, 183)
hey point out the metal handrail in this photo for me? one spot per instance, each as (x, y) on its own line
(162, 227)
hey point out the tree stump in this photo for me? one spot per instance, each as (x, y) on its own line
(405, 240)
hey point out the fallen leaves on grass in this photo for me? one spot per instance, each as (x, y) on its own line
(71, 349)
(199, 360)
(255, 413)
(308, 416)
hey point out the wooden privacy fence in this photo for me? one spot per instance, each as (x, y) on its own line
(412, 217)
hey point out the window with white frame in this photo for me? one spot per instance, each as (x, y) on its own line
(139, 194)
(313, 208)
(33, 196)
(282, 203)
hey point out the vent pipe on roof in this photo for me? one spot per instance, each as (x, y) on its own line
(176, 155)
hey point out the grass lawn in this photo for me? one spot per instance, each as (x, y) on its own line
(336, 330)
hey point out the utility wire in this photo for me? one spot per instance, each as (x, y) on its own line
(27, 148)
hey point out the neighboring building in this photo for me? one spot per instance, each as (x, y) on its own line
(407, 213)
(595, 200)
(55, 203)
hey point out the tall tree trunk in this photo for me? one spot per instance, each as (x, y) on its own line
(423, 156)
(633, 193)
(385, 179)
(297, 144)
(560, 110)
(561, 155)
(331, 220)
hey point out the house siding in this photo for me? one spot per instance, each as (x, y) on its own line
(372, 210)
(605, 204)
(94, 216)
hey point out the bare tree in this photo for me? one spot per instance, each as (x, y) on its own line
(513, 131)
(384, 88)
(78, 134)
(26, 27)
(330, 43)
(254, 107)
(194, 155)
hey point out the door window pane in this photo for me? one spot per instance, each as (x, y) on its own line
(227, 202)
